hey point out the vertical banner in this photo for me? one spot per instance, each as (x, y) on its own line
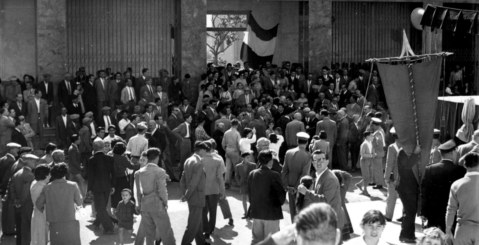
(397, 88)
(258, 44)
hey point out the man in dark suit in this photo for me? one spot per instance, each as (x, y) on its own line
(65, 90)
(297, 163)
(310, 121)
(19, 106)
(6, 128)
(326, 188)
(64, 129)
(159, 137)
(106, 120)
(175, 118)
(141, 81)
(186, 132)
(436, 185)
(266, 196)
(7, 161)
(89, 91)
(101, 182)
(192, 186)
(17, 135)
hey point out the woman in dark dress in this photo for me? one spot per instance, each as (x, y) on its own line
(121, 164)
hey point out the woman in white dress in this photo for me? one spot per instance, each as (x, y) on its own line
(249, 137)
(39, 228)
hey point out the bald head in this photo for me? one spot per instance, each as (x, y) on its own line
(58, 156)
(297, 116)
(98, 145)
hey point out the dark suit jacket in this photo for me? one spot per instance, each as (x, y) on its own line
(74, 160)
(46, 96)
(158, 139)
(101, 122)
(63, 95)
(329, 126)
(101, 173)
(64, 133)
(266, 194)
(436, 184)
(130, 131)
(173, 121)
(18, 137)
(260, 126)
(6, 163)
(85, 140)
(18, 111)
(310, 125)
(102, 93)
(89, 92)
(292, 128)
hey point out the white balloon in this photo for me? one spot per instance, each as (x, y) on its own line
(416, 17)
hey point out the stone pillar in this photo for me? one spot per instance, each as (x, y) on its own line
(320, 34)
(193, 41)
(51, 38)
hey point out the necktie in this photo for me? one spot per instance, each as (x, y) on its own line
(187, 131)
(102, 83)
(130, 95)
(109, 122)
(151, 90)
(68, 87)
(65, 121)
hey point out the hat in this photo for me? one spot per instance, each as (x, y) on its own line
(89, 114)
(30, 156)
(376, 120)
(437, 131)
(392, 130)
(302, 135)
(105, 108)
(447, 146)
(141, 126)
(13, 145)
(86, 120)
(74, 116)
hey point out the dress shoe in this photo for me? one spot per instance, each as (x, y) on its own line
(378, 187)
(399, 219)
(407, 240)
(388, 219)
(230, 222)
(371, 184)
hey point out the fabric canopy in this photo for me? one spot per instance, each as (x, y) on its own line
(258, 44)
(399, 98)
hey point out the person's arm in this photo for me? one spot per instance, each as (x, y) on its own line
(136, 187)
(219, 177)
(160, 182)
(451, 211)
(223, 142)
(278, 189)
(306, 169)
(195, 180)
(77, 198)
(390, 162)
(285, 170)
(41, 200)
(90, 174)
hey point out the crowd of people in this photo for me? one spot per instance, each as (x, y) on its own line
(275, 132)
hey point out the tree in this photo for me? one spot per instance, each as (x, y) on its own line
(225, 35)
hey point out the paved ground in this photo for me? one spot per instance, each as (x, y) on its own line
(241, 232)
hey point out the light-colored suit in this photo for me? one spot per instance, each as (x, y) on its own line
(36, 118)
(463, 200)
(125, 97)
(292, 128)
(192, 186)
(391, 169)
(327, 190)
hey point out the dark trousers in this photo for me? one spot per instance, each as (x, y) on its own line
(167, 165)
(194, 228)
(211, 205)
(292, 205)
(101, 199)
(23, 220)
(342, 156)
(354, 151)
(225, 208)
(409, 201)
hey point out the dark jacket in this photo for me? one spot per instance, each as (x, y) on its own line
(266, 194)
(101, 173)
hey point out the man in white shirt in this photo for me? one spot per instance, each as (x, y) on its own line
(111, 137)
(138, 143)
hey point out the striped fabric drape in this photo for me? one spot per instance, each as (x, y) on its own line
(120, 34)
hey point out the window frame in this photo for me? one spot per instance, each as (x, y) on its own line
(227, 12)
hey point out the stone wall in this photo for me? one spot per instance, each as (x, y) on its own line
(320, 35)
(51, 37)
(17, 38)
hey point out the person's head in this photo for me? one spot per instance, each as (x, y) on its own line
(320, 161)
(153, 155)
(234, 123)
(368, 135)
(119, 148)
(262, 144)
(98, 145)
(448, 150)
(126, 195)
(201, 148)
(100, 131)
(59, 171)
(432, 236)
(143, 159)
(373, 224)
(471, 161)
(58, 156)
(247, 133)
(265, 158)
(50, 148)
(188, 118)
(42, 172)
(19, 97)
(317, 224)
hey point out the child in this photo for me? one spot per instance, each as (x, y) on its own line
(301, 200)
(124, 213)
(242, 171)
(373, 224)
(366, 162)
